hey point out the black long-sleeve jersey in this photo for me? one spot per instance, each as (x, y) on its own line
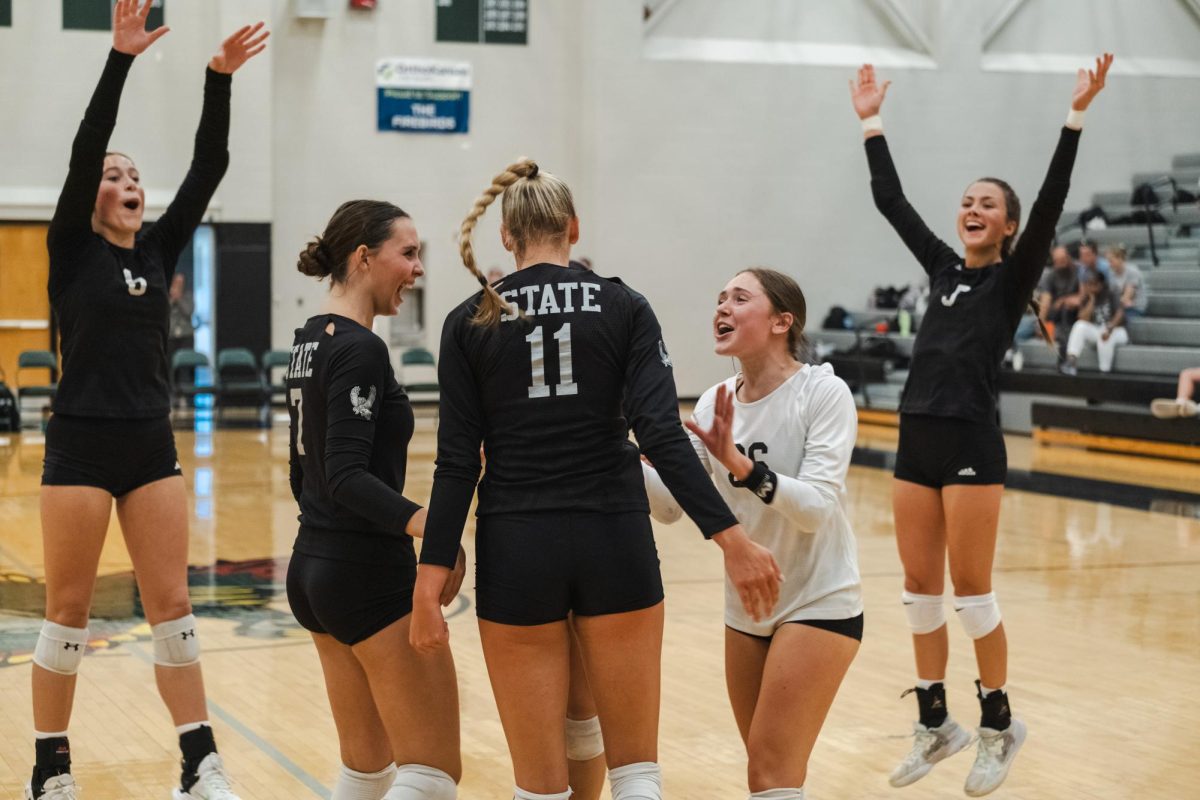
(350, 427)
(973, 313)
(552, 395)
(111, 302)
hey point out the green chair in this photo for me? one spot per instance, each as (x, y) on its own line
(238, 380)
(271, 361)
(418, 372)
(35, 359)
(184, 363)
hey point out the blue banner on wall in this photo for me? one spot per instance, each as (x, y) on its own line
(422, 95)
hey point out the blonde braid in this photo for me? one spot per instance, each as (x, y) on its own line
(492, 305)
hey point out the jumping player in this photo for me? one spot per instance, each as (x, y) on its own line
(543, 369)
(110, 436)
(951, 463)
(350, 581)
(777, 440)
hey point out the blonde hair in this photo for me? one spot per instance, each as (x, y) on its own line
(536, 207)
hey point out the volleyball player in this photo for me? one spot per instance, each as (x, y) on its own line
(540, 369)
(951, 461)
(110, 436)
(351, 577)
(777, 438)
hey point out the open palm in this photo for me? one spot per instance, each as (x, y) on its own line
(1089, 82)
(867, 94)
(129, 28)
(244, 44)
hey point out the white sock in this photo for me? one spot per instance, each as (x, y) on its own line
(419, 782)
(985, 691)
(42, 735)
(521, 794)
(192, 726)
(779, 794)
(354, 785)
(924, 684)
(641, 781)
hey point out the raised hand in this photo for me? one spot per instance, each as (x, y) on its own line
(866, 94)
(129, 28)
(1089, 82)
(244, 44)
(718, 439)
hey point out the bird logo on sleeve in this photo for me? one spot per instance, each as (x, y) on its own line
(662, 353)
(361, 405)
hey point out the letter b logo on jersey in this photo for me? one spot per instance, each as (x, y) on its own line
(137, 286)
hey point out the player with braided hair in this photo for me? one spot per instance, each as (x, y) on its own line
(546, 365)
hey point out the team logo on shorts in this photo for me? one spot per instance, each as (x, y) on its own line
(662, 353)
(362, 406)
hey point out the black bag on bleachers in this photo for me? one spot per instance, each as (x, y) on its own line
(1087, 215)
(1144, 195)
(838, 319)
(10, 412)
(889, 296)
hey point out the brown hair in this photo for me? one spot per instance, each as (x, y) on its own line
(536, 207)
(1012, 205)
(355, 223)
(786, 297)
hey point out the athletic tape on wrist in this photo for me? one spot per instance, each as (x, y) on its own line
(1075, 119)
(874, 123)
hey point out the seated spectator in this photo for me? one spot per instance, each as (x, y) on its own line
(1101, 323)
(1184, 404)
(1058, 297)
(1126, 282)
(1090, 261)
(494, 274)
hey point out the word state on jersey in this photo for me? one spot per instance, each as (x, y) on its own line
(563, 297)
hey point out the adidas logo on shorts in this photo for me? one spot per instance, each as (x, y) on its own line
(967, 472)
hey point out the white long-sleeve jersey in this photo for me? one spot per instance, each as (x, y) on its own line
(804, 432)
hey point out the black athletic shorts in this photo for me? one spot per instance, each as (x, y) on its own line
(531, 569)
(943, 451)
(851, 627)
(116, 455)
(349, 600)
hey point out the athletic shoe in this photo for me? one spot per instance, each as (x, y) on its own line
(1069, 369)
(931, 746)
(1165, 408)
(60, 787)
(212, 784)
(997, 750)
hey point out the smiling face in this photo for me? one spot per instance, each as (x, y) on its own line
(120, 201)
(983, 221)
(393, 267)
(746, 323)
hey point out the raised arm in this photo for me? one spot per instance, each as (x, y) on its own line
(73, 213)
(1029, 255)
(210, 156)
(357, 380)
(931, 252)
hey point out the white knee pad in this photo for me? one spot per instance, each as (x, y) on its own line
(419, 782)
(59, 648)
(925, 611)
(979, 614)
(779, 794)
(521, 794)
(175, 642)
(354, 785)
(584, 740)
(641, 781)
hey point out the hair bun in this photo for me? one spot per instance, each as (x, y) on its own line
(533, 170)
(315, 259)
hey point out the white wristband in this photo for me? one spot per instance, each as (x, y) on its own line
(1075, 119)
(874, 123)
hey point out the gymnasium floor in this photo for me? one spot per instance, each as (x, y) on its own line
(1100, 600)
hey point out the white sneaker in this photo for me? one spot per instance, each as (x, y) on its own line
(931, 746)
(60, 787)
(212, 785)
(997, 750)
(1165, 408)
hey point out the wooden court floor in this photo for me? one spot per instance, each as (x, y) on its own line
(1101, 603)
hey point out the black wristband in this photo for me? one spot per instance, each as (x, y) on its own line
(761, 481)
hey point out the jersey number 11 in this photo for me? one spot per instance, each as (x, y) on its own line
(537, 359)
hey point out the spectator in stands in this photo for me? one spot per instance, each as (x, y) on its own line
(1089, 260)
(1058, 295)
(1101, 323)
(1184, 404)
(182, 332)
(1126, 282)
